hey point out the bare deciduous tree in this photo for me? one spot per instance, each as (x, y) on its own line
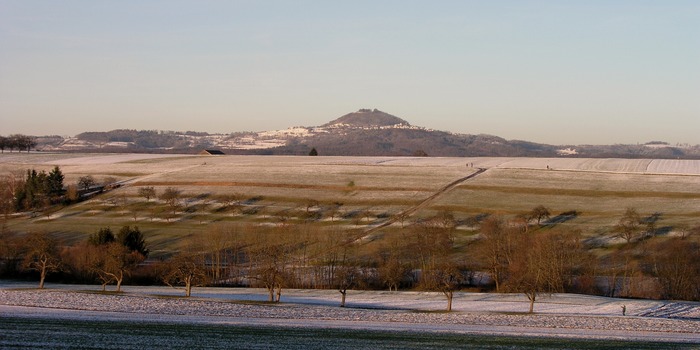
(10, 251)
(171, 197)
(432, 244)
(333, 210)
(147, 192)
(269, 254)
(630, 225)
(85, 182)
(221, 245)
(393, 267)
(80, 260)
(677, 268)
(543, 263)
(347, 276)
(538, 213)
(116, 262)
(498, 245)
(8, 185)
(72, 193)
(187, 268)
(392, 272)
(109, 181)
(42, 255)
(444, 276)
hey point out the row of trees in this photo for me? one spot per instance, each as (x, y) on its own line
(425, 255)
(104, 257)
(541, 262)
(506, 254)
(18, 142)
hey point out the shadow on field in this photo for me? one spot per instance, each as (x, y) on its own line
(562, 218)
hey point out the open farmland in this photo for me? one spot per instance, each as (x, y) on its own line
(357, 193)
(80, 314)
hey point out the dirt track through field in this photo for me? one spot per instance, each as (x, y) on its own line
(144, 179)
(424, 203)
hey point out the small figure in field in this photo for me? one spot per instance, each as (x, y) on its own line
(624, 309)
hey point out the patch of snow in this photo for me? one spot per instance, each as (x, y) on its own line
(567, 315)
(295, 131)
(99, 159)
(119, 144)
(567, 152)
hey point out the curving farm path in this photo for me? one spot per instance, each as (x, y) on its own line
(424, 203)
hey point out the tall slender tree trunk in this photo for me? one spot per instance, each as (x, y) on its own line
(496, 278)
(42, 277)
(271, 290)
(449, 295)
(532, 296)
(119, 281)
(342, 298)
(188, 286)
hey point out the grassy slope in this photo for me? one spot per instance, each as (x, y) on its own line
(599, 189)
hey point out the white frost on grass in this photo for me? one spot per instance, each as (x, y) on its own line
(556, 315)
(101, 159)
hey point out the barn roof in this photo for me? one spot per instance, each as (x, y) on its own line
(212, 152)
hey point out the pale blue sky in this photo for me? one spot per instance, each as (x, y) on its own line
(560, 72)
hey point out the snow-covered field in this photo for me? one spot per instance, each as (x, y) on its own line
(559, 315)
(653, 166)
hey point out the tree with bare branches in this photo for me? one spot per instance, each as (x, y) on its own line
(42, 255)
(630, 225)
(269, 254)
(186, 268)
(444, 276)
(544, 264)
(393, 261)
(392, 272)
(221, 245)
(539, 213)
(497, 247)
(85, 182)
(114, 257)
(345, 267)
(676, 265)
(147, 192)
(8, 185)
(332, 211)
(171, 197)
(11, 246)
(347, 276)
(432, 246)
(116, 262)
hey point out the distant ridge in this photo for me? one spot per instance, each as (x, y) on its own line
(366, 132)
(365, 118)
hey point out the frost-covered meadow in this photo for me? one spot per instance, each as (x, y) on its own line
(271, 187)
(557, 315)
(599, 190)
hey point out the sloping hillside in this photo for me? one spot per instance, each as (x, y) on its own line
(367, 118)
(366, 132)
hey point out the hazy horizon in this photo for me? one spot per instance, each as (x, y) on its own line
(592, 72)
